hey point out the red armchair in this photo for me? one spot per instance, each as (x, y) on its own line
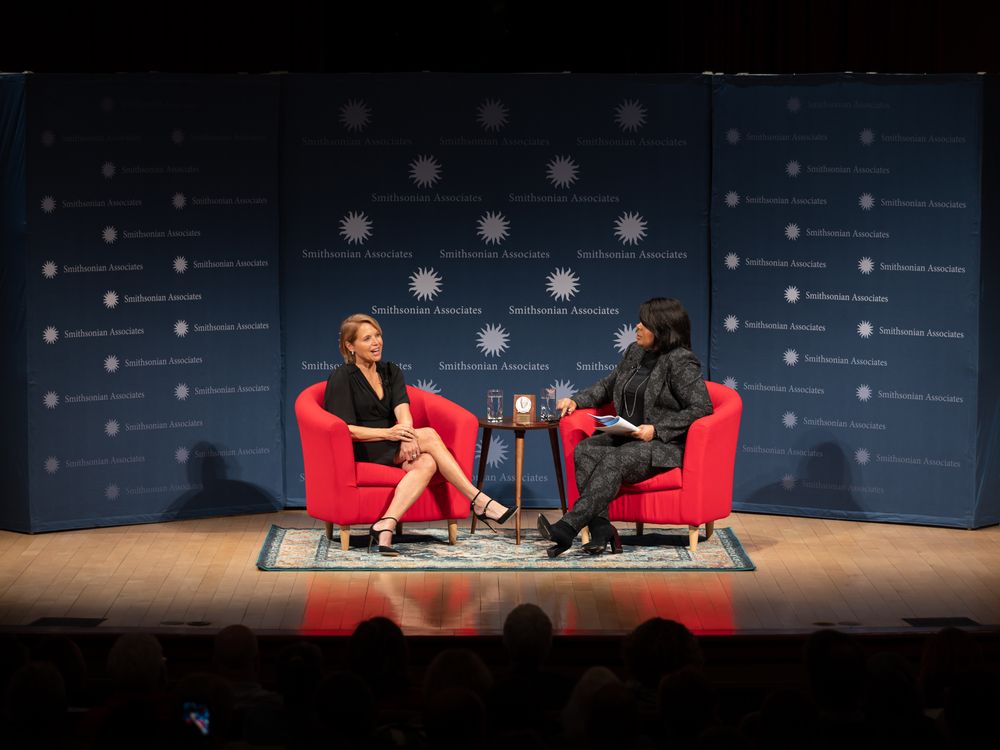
(700, 492)
(344, 492)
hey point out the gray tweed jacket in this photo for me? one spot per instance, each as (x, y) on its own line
(675, 397)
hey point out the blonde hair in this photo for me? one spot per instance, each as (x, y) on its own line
(349, 332)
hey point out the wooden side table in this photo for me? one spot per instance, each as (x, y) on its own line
(519, 429)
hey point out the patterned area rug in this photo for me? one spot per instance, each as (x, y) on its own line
(428, 549)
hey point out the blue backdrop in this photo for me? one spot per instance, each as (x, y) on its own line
(152, 324)
(845, 245)
(502, 230)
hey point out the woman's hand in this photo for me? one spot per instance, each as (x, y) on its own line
(409, 450)
(401, 433)
(565, 406)
(645, 433)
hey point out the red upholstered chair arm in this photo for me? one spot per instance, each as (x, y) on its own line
(709, 460)
(457, 426)
(327, 453)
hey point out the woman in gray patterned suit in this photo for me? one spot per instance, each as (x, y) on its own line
(657, 386)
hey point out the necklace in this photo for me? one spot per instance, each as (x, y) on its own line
(635, 396)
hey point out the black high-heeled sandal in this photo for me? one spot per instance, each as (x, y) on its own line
(373, 538)
(486, 519)
(602, 535)
(559, 532)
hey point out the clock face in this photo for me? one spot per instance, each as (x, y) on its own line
(523, 404)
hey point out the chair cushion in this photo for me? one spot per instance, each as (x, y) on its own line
(668, 480)
(379, 475)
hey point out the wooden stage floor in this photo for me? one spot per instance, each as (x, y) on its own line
(201, 576)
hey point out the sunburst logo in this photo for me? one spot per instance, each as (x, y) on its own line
(563, 389)
(180, 264)
(491, 115)
(48, 204)
(793, 168)
(492, 227)
(793, 104)
(865, 329)
(51, 465)
(356, 228)
(425, 283)
(492, 340)
(49, 269)
(730, 382)
(866, 201)
(630, 228)
(866, 265)
(50, 335)
(428, 385)
(731, 261)
(733, 136)
(731, 323)
(177, 136)
(792, 231)
(792, 294)
(112, 492)
(788, 483)
(867, 137)
(181, 329)
(732, 199)
(108, 169)
(789, 420)
(109, 234)
(181, 391)
(790, 357)
(111, 364)
(355, 115)
(630, 115)
(425, 171)
(562, 284)
(179, 201)
(48, 138)
(50, 400)
(497, 454)
(862, 456)
(181, 455)
(110, 299)
(112, 428)
(863, 392)
(562, 171)
(624, 337)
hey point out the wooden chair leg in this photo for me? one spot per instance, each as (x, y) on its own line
(329, 530)
(693, 538)
(639, 526)
(709, 528)
(585, 535)
(452, 531)
(345, 538)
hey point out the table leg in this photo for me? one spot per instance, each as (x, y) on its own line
(518, 467)
(557, 462)
(483, 453)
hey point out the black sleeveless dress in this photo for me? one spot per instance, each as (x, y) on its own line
(350, 397)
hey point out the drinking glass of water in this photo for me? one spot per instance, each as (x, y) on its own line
(494, 405)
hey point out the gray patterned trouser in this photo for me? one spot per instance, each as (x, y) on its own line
(603, 464)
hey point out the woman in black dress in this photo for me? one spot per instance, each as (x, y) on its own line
(658, 387)
(370, 396)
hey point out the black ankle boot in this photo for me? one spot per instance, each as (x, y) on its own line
(602, 534)
(559, 532)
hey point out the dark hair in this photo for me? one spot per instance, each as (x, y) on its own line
(668, 321)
